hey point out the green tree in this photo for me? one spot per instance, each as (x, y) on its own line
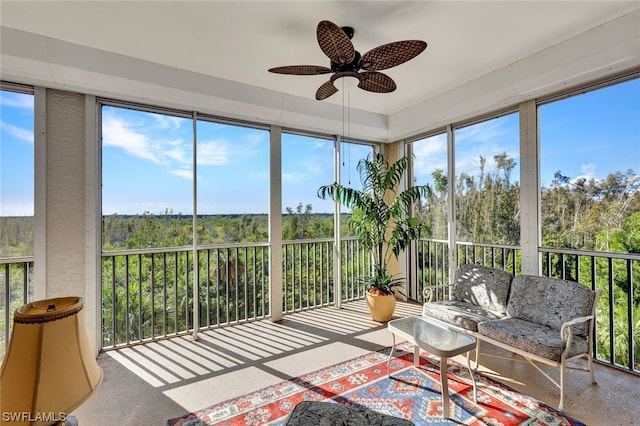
(298, 223)
(381, 218)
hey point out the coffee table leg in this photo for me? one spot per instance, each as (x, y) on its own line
(393, 347)
(445, 387)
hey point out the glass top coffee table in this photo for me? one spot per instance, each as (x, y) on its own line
(438, 340)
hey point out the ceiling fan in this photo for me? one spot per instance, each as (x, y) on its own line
(335, 42)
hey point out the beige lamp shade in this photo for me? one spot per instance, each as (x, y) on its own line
(49, 368)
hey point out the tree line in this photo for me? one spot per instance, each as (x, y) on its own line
(580, 213)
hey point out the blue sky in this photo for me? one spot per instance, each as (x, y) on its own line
(148, 158)
(148, 166)
(16, 154)
(589, 136)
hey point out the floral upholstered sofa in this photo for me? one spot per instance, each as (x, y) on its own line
(546, 320)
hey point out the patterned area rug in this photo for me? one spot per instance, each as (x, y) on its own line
(410, 393)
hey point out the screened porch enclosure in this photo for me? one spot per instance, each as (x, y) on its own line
(175, 200)
(266, 265)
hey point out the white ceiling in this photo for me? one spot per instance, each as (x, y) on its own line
(229, 42)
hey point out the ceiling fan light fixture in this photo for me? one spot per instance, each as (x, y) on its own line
(348, 79)
(349, 82)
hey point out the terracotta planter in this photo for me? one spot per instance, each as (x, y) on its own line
(381, 307)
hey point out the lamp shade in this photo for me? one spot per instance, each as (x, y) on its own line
(49, 368)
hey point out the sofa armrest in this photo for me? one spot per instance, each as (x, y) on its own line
(566, 331)
(429, 292)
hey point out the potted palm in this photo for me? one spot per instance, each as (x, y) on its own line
(381, 222)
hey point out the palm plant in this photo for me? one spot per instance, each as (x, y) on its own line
(381, 216)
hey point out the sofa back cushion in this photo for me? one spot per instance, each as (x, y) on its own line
(482, 286)
(550, 301)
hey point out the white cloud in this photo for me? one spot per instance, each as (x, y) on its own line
(184, 173)
(588, 172)
(168, 121)
(430, 154)
(177, 151)
(255, 137)
(16, 100)
(117, 133)
(213, 153)
(482, 132)
(321, 143)
(16, 208)
(17, 132)
(123, 134)
(259, 176)
(294, 176)
(469, 160)
(471, 143)
(588, 169)
(316, 167)
(485, 139)
(149, 139)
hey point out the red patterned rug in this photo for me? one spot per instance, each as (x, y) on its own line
(411, 393)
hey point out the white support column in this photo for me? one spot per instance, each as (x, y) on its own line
(65, 200)
(40, 195)
(93, 218)
(403, 258)
(411, 258)
(194, 228)
(67, 212)
(66, 205)
(530, 235)
(400, 266)
(337, 245)
(451, 206)
(275, 224)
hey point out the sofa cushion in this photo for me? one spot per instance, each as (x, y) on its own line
(550, 301)
(531, 337)
(461, 314)
(482, 286)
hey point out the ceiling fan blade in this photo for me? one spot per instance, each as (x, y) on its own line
(335, 43)
(376, 82)
(391, 54)
(326, 90)
(301, 70)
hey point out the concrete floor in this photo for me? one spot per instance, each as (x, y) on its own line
(148, 384)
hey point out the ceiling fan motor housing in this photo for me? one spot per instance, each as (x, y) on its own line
(351, 66)
(349, 31)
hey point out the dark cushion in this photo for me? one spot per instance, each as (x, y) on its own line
(456, 312)
(531, 337)
(482, 286)
(314, 413)
(550, 301)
